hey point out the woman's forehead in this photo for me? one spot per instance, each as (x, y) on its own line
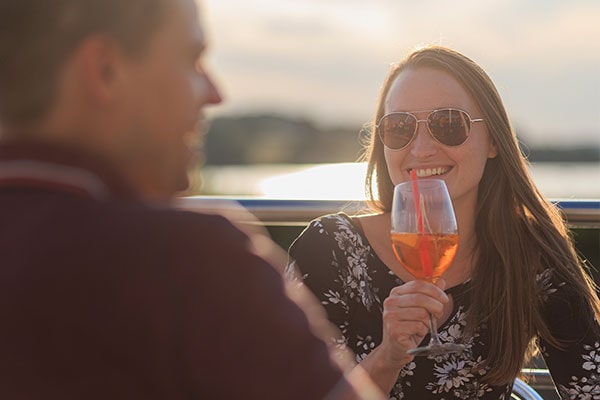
(416, 89)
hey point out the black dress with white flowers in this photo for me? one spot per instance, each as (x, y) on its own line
(336, 262)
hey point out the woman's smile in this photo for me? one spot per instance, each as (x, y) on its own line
(430, 171)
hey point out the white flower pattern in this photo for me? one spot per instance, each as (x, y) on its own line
(585, 387)
(353, 298)
(592, 359)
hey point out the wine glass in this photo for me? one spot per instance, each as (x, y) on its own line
(425, 239)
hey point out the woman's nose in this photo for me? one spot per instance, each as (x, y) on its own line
(423, 145)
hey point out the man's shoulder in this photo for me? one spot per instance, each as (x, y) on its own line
(175, 225)
(198, 246)
(130, 227)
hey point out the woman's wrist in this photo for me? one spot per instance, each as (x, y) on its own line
(381, 370)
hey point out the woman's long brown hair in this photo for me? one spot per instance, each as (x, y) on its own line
(519, 233)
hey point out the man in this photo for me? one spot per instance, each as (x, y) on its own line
(104, 295)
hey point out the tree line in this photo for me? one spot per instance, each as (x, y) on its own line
(275, 139)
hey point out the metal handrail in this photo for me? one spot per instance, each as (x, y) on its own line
(539, 378)
(524, 392)
(578, 213)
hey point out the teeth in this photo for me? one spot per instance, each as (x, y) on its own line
(422, 173)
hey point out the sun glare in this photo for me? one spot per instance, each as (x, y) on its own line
(344, 181)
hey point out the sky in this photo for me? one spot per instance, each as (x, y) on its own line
(326, 59)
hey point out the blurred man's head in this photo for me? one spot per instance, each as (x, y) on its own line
(37, 37)
(120, 78)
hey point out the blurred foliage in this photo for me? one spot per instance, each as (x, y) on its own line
(272, 139)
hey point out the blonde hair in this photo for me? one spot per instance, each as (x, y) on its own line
(519, 233)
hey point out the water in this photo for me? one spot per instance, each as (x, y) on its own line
(344, 181)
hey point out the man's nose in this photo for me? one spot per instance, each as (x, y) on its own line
(213, 95)
(207, 90)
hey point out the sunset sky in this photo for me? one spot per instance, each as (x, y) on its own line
(326, 59)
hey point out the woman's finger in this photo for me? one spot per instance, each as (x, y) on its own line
(413, 300)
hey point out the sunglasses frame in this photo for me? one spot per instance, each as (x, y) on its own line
(430, 112)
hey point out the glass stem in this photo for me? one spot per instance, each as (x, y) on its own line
(435, 340)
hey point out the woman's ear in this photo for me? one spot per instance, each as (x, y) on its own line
(492, 151)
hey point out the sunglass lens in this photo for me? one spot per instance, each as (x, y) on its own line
(397, 130)
(449, 127)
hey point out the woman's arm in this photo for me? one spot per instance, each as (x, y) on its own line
(575, 364)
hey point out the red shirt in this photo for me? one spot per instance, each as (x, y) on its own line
(104, 297)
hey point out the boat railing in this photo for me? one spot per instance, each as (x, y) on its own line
(580, 213)
(523, 391)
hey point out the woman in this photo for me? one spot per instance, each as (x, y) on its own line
(516, 283)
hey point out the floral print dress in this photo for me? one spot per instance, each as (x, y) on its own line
(335, 261)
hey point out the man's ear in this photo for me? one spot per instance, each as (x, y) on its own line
(100, 63)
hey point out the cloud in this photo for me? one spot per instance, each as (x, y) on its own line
(327, 58)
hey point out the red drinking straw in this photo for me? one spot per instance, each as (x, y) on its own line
(425, 260)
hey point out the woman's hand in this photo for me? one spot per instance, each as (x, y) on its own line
(405, 324)
(406, 318)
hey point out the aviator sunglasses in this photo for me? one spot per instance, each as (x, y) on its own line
(448, 126)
